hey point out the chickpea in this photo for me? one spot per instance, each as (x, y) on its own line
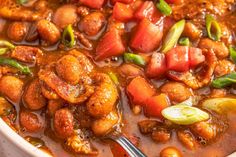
(17, 31)
(30, 121)
(170, 152)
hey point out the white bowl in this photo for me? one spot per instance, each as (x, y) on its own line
(15, 145)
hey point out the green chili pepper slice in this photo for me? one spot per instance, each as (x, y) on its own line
(134, 58)
(184, 41)
(15, 64)
(220, 105)
(232, 52)
(68, 37)
(164, 7)
(184, 115)
(211, 23)
(113, 77)
(173, 35)
(224, 81)
(3, 51)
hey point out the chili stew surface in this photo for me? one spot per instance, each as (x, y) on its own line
(161, 72)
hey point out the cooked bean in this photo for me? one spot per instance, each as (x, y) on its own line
(65, 15)
(30, 121)
(204, 129)
(224, 67)
(83, 40)
(170, 152)
(48, 31)
(33, 97)
(217, 93)
(53, 106)
(219, 48)
(130, 70)
(69, 69)
(104, 98)
(104, 125)
(17, 31)
(92, 23)
(187, 139)
(147, 126)
(63, 123)
(11, 87)
(191, 31)
(48, 92)
(161, 135)
(177, 92)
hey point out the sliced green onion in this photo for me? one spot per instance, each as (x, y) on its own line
(134, 58)
(68, 37)
(7, 44)
(232, 52)
(220, 105)
(15, 64)
(184, 41)
(3, 51)
(224, 81)
(211, 23)
(173, 36)
(164, 7)
(113, 77)
(184, 114)
(22, 1)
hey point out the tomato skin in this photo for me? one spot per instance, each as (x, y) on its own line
(147, 36)
(178, 59)
(148, 10)
(139, 90)
(123, 1)
(195, 57)
(110, 45)
(96, 4)
(156, 67)
(174, 1)
(155, 105)
(122, 12)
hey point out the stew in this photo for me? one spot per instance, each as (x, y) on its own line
(161, 72)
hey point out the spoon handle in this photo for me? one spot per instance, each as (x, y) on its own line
(132, 150)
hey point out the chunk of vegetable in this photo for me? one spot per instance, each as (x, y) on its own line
(68, 37)
(213, 25)
(184, 115)
(134, 58)
(155, 105)
(110, 45)
(96, 4)
(177, 59)
(220, 105)
(139, 90)
(224, 81)
(122, 12)
(114, 77)
(173, 35)
(195, 57)
(7, 44)
(3, 50)
(15, 64)
(156, 66)
(232, 52)
(184, 41)
(147, 36)
(164, 7)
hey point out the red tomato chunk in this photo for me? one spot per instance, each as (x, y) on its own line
(96, 4)
(122, 12)
(147, 36)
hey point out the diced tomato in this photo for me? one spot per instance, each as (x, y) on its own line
(147, 36)
(148, 10)
(195, 57)
(96, 4)
(174, 1)
(122, 12)
(110, 45)
(155, 105)
(177, 59)
(123, 1)
(156, 66)
(139, 90)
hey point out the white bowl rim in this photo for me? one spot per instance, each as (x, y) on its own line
(20, 142)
